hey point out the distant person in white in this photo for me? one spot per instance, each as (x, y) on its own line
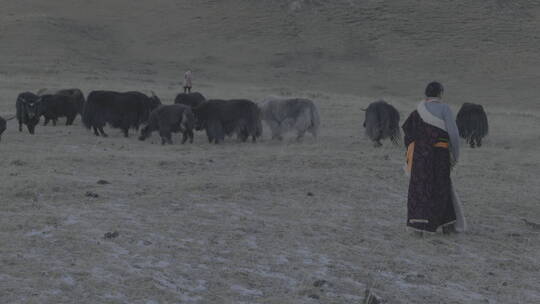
(187, 81)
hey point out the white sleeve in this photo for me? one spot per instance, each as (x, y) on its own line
(453, 132)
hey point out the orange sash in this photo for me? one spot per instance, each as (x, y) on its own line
(441, 144)
(410, 152)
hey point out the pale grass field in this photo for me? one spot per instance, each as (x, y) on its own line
(234, 223)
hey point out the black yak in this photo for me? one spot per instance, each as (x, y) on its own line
(28, 111)
(283, 115)
(75, 93)
(381, 122)
(472, 123)
(3, 124)
(222, 118)
(190, 99)
(65, 103)
(169, 119)
(119, 110)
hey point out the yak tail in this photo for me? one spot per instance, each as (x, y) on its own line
(80, 107)
(259, 131)
(185, 121)
(395, 135)
(480, 123)
(472, 121)
(185, 117)
(315, 120)
(79, 96)
(88, 114)
(258, 121)
(189, 117)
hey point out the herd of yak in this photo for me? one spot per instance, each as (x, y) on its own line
(219, 118)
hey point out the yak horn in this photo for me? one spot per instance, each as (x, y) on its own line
(363, 109)
(10, 118)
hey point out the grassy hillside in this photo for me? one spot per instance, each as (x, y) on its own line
(482, 50)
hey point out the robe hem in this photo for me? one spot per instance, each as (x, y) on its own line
(432, 232)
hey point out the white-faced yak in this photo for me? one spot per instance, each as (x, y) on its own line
(290, 114)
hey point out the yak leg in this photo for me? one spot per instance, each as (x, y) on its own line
(54, 121)
(377, 143)
(220, 132)
(165, 136)
(125, 131)
(31, 128)
(69, 120)
(275, 130)
(477, 140)
(20, 126)
(102, 132)
(95, 131)
(184, 136)
(209, 134)
(215, 131)
(277, 136)
(300, 135)
(313, 132)
(244, 135)
(187, 134)
(46, 121)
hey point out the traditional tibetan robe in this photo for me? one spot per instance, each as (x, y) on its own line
(432, 201)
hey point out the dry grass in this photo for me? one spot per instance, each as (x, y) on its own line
(317, 221)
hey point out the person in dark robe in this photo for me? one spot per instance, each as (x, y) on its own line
(432, 142)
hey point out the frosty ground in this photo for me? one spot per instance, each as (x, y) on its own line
(271, 222)
(318, 221)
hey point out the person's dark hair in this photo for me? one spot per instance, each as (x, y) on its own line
(434, 89)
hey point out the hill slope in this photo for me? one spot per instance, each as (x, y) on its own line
(485, 50)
